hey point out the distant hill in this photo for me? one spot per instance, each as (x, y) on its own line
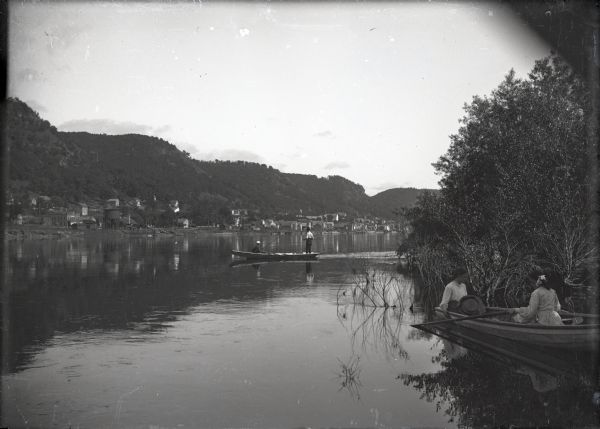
(387, 202)
(79, 166)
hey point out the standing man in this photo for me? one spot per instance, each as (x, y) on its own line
(309, 240)
(455, 290)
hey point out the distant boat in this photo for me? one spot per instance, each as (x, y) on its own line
(262, 256)
(583, 335)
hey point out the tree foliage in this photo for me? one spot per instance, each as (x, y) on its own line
(516, 185)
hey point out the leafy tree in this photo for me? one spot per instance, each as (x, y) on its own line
(515, 183)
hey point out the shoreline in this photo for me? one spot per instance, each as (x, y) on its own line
(39, 232)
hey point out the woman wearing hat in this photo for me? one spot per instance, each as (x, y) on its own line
(454, 290)
(543, 306)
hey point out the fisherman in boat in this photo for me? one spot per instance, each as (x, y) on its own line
(309, 240)
(455, 290)
(256, 248)
(543, 306)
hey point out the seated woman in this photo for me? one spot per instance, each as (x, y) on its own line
(543, 306)
(454, 290)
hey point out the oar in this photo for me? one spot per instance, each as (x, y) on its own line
(458, 319)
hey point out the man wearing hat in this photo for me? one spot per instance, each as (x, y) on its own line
(256, 248)
(455, 290)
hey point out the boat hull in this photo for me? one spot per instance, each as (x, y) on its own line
(583, 336)
(251, 256)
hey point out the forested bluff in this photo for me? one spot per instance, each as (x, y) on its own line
(79, 167)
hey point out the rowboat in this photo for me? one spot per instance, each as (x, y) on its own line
(562, 361)
(581, 331)
(263, 256)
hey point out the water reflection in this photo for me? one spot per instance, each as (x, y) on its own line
(115, 283)
(376, 330)
(326, 243)
(310, 276)
(99, 333)
(174, 262)
(66, 286)
(493, 382)
(349, 376)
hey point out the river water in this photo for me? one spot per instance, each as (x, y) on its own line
(105, 332)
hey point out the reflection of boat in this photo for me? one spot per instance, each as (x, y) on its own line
(251, 256)
(518, 354)
(585, 334)
(505, 383)
(245, 263)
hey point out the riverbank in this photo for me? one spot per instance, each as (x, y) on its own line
(40, 232)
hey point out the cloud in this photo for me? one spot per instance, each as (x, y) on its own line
(109, 126)
(232, 155)
(29, 75)
(63, 35)
(325, 134)
(162, 130)
(333, 165)
(36, 106)
(387, 185)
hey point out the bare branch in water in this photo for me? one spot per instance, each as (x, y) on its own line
(373, 286)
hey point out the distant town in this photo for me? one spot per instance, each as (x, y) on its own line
(134, 214)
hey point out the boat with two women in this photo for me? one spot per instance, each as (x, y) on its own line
(578, 331)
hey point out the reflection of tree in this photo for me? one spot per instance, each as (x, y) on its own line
(349, 376)
(374, 328)
(418, 335)
(478, 392)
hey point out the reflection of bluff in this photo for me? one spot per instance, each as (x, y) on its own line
(482, 388)
(109, 285)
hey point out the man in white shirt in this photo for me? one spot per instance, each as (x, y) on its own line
(309, 240)
(455, 290)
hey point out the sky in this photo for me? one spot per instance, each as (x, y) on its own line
(369, 91)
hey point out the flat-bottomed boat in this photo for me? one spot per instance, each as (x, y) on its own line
(263, 256)
(580, 331)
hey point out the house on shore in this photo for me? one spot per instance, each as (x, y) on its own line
(112, 203)
(112, 214)
(289, 226)
(239, 216)
(56, 217)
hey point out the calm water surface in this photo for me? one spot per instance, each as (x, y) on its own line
(165, 332)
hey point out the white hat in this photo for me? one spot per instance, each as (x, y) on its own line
(257, 241)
